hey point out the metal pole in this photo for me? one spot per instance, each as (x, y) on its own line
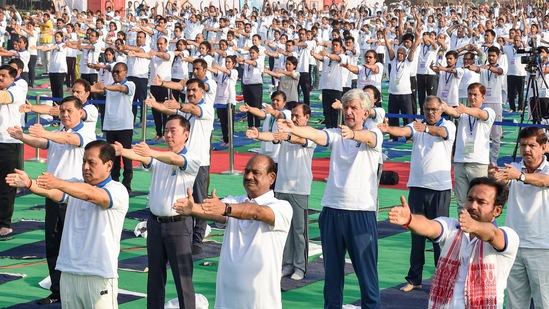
(37, 158)
(339, 117)
(230, 118)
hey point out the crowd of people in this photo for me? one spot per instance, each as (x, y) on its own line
(462, 60)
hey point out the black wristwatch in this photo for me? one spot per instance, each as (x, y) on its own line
(522, 177)
(228, 210)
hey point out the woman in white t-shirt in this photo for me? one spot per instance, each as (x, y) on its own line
(58, 64)
(226, 78)
(180, 68)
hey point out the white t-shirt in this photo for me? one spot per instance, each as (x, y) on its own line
(252, 252)
(270, 125)
(118, 108)
(226, 83)
(331, 79)
(58, 62)
(90, 228)
(448, 86)
(503, 261)
(430, 164)
(400, 76)
(294, 175)
(352, 182)
(10, 115)
(527, 211)
(170, 182)
(494, 85)
(473, 138)
(139, 67)
(90, 56)
(161, 67)
(64, 160)
(201, 131)
(468, 78)
(367, 77)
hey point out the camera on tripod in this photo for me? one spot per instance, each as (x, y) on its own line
(531, 59)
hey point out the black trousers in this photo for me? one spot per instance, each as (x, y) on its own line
(32, 70)
(55, 220)
(305, 86)
(178, 94)
(413, 84)
(223, 115)
(515, 85)
(9, 160)
(71, 72)
(431, 204)
(253, 95)
(399, 104)
(330, 114)
(124, 137)
(426, 85)
(200, 191)
(56, 83)
(160, 94)
(101, 108)
(140, 94)
(170, 242)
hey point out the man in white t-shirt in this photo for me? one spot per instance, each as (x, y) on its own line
(492, 77)
(527, 215)
(293, 184)
(474, 248)
(430, 181)
(11, 150)
(118, 124)
(350, 199)
(65, 153)
(96, 209)
(256, 227)
(169, 234)
(472, 154)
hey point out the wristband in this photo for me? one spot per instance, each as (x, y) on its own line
(407, 223)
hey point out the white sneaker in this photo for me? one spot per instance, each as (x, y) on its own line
(298, 275)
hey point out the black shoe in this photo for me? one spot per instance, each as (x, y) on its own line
(48, 301)
(197, 249)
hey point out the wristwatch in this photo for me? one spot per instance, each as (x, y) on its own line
(522, 177)
(228, 210)
(426, 129)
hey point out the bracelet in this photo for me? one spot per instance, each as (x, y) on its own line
(30, 184)
(407, 223)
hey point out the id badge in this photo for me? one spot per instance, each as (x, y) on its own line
(246, 81)
(513, 61)
(397, 81)
(470, 146)
(488, 92)
(422, 65)
(444, 95)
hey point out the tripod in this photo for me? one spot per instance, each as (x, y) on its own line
(535, 108)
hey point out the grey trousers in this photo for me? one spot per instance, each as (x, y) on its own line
(296, 250)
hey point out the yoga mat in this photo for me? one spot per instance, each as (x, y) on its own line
(315, 272)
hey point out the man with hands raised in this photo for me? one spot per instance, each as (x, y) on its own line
(96, 208)
(528, 183)
(430, 181)
(169, 234)
(349, 202)
(477, 255)
(256, 228)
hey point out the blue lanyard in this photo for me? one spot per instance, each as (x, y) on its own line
(471, 125)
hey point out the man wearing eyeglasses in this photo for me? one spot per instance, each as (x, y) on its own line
(118, 124)
(430, 181)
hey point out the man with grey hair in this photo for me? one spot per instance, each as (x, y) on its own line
(349, 202)
(430, 180)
